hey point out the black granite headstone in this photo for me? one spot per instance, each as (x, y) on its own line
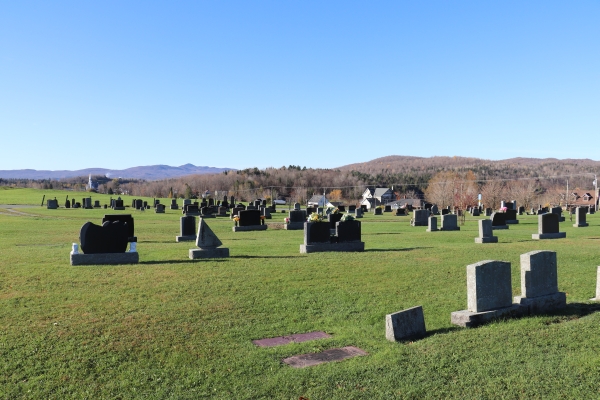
(498, 219)
(126, 218)
(317, 232)
(333, 218)
(249, 217)
(550, 223)
(348, 231)
(111, 237)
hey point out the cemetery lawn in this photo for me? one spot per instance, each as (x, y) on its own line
(171, 327)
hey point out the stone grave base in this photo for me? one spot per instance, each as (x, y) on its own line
(294, 226)
(499, 227)
(204, 216)
(194, 214)
(216, 252)
(105, 258)
(493, 239)
(512, 221)
(187, 238)
(159, 212)
(457, 228)
(559, 235)
(580, 225)
(468, 319)
(323, 247)
(118, 208)
(418, 223)
(431, 230)
(174, 207)
(250, 228)
(221, 215)
(542, 304)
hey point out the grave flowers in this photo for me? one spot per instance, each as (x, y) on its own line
(236, 219)
(286, 220)
(347, 218)
(314, 217)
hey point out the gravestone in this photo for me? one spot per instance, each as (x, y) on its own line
(498, 220)
(358, 213)
(333, 219)
(434, 209)
(145, 204)
(127, 219)
(160, 209)
(73, 203)
(52, 204)
(139, 204)
(296, 206)
(400, 212)
(591, 209)
(317, 237)
(87, 203)
(174, 205)
(450, 223)
(119, 204)
(521, 210)
(207, 212)
(105, 244)
(407, 324)
(510, 216)
(387, 208)
(187, 229)
(558, 211)
(475, 211)
(211, 202)
(539, 283)
(445, 211)
(548, 227)
(297, 220)
(364, 208)
(316, 233)
(419, 218)
(235, 211)
(580, 217)
(222, 211)
(488, 212)
(310, 210)
(225, 202)
(249, 221)
(97, 204)
(489, 294)
(432, 224)
(351, 208)
(208, 243)
(190, 209)
(110, 237)
(266, 212)
(341, 208)
(348, 231)
(67, 203)
(486, 233)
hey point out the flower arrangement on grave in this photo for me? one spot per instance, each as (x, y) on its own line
(503, 209)
(286, 220)
(347, 218)
(314, 217)
(236, 219)
(335, 211)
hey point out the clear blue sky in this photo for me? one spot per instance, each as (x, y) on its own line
(117, 84)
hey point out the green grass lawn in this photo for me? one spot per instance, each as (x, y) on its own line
(171, 327)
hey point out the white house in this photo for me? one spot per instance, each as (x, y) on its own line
(377, 196)
(318, 200)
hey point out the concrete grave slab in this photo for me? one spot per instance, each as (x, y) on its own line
(296, 338)
(310, 359)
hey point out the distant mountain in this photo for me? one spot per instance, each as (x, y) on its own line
(150, 172)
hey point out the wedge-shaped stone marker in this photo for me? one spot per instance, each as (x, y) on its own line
(208, 243)
(297, 338)
(310, 359)
(405, 324)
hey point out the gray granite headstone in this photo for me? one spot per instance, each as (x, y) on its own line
(486, 233)
(450, 223)
(488, 286)
(405, 324)
(432, 224)
(580, 217)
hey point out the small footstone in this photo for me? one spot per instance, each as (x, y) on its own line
(297, 338)
(310, 359)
